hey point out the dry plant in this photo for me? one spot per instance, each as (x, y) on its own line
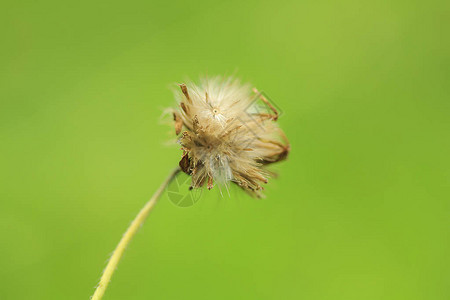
(228, 134)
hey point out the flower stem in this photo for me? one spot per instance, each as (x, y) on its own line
(128, 235)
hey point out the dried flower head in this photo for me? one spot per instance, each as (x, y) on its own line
(230, 134)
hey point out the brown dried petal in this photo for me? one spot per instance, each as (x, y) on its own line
(178, 123)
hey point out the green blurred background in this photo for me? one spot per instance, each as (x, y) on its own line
(361, 208)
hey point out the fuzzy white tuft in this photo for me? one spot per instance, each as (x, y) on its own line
(230, 134)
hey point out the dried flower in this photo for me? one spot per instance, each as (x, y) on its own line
(230, 134)
(229, 137)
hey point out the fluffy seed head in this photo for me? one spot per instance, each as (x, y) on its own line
(230, 134)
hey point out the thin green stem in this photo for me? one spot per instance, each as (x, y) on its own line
(128, 235)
